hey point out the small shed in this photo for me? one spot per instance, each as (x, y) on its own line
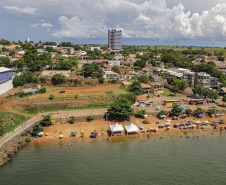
(196, 101)
(171, 102)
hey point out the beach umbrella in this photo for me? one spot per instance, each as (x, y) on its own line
(162, 125)
(181, 106)
(222, 121)
(215, 123)
(190, 122)
(193, 125)
(184, 115)
(168, 120)
(167, 123)
(206, 122)
(158, 107)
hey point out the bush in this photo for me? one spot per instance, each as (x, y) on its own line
(90, 118)
(72, 120)
(101, 80)
(76, 96)
(76, 81)
(27, 140)
(148, 96)
(43, 79)
(10, 155)
(141, 113)
(51, 97)
(42, 90)
(58, 79)
(36, 129)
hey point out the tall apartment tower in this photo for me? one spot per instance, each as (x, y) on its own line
(115, 39)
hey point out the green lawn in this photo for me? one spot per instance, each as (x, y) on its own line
(9, 118)
(168, 93)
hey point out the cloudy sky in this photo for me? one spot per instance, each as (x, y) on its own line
(143, 22)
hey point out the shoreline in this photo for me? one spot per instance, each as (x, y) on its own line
(99, 125)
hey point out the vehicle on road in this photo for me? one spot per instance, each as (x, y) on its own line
(61, 91)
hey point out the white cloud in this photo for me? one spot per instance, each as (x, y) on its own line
(47, 25)
(26, 10)
(34, 25)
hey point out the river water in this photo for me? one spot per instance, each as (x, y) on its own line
(154, 160)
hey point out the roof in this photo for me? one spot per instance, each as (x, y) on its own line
(155, 67)
(141, 98)
(116, 127)
(4, 69)
(132, 128)
(145, 85)
(126, 69)
(171, 100)
(157, 83)
(223, 89)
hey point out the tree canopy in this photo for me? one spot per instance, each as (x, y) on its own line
(136, 88)
(120, 107)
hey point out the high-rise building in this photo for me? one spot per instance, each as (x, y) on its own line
(115, 39)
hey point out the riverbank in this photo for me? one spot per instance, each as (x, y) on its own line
(54, 131)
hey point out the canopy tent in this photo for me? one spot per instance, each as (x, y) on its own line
(158, 107)
(94, 135)
(181, 106)
(168, 120)
(40, 134)
(207, 122)
(183, 122)
(200, 115)
(215, 123)
(73, 134)
(131, 128)
(190, 122)
(184, 115)
(162, 125)
(222, 121)
(198, 122)
(116, 129)
(162, 116)
(167, 123)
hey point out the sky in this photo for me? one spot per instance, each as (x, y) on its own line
(143, 22)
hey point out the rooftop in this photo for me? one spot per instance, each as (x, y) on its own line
(4, 69)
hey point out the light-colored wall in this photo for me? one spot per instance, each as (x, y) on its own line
(5, 87)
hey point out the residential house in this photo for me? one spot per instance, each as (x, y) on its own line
(157, 88)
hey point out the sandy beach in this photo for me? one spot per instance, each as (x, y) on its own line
(87, 127)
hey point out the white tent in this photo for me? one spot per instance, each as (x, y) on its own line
(131, 128)
(117, 128)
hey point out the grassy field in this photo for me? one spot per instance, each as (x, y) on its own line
(181, 48)
(9, 118)
(168, 93)
(88, 97)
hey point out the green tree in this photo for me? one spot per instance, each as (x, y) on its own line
(116, 69)
(198, 89)
(46, 121)
(188, 112)
(198, 111)
(101, 80)
(51, 97)
(120, 107)
(176, 111)
(130, 96)
(175, 89)
(213, 95)
(141, 113)
(36, 130)
(224, 98)
(151, 78)
(143, 79)
(170, 80)
(162, 112)
(136, 88)
(140, 63)
(58, 79)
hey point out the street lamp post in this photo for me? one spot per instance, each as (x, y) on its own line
(26, 119)
(106, 112)
(13, 127)
(67, 115)
(92, 110)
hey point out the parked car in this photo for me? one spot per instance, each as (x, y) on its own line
(89, 78)
(61, 91)
(81, 77)
(94, 77)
